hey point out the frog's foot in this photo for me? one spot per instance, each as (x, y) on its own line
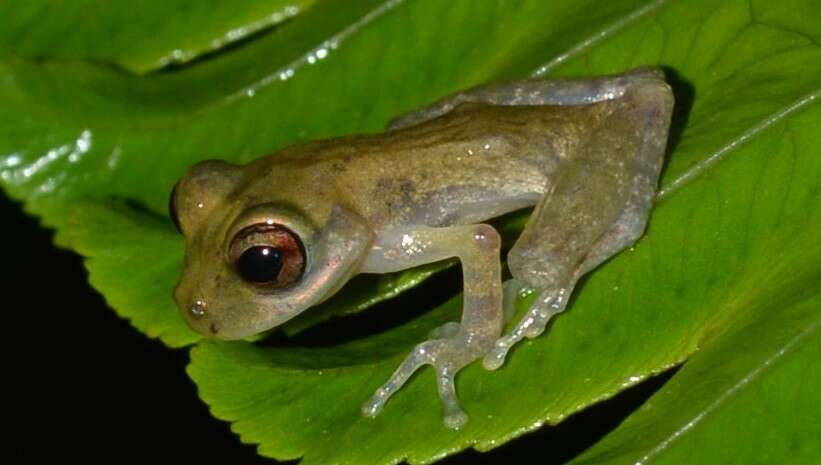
(447, 356)
(531, 325)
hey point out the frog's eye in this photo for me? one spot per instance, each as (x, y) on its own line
(267, 254)
(172, 208)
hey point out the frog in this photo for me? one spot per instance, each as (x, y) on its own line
(268, 240)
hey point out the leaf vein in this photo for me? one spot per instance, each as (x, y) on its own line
(742, 139)
(594, 39)
(729, 393)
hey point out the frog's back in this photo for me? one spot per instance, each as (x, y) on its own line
(473, 163)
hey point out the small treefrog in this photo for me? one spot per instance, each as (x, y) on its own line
(268, 240)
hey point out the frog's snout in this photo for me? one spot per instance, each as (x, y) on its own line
(205, 315)
(196, 312)
(198, 318)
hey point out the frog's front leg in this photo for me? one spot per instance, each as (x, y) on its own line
(455, 346)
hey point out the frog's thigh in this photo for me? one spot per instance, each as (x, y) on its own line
(477, 247)
(597, 204)
(535, 92)
(586, 196)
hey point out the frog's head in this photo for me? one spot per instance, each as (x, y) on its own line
(244, 265)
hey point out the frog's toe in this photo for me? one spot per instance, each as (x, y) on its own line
(420, 355)
(374, 405)
(540, 319)
(454, 417)
(496, 357)
(532, 325)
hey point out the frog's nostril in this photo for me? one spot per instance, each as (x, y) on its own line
(197, 308)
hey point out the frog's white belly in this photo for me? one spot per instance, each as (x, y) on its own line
(466, 205)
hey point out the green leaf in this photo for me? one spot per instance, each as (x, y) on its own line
(115, 236)
(152, 34)
(730, 242)
(744, 399)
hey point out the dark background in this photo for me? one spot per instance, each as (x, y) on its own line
(82, 383)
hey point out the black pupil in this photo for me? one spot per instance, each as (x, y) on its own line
(260, 264)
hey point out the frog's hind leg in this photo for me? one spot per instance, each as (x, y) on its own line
(596, 205)
(532, 92)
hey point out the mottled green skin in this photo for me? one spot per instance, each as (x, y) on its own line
(586, 153)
